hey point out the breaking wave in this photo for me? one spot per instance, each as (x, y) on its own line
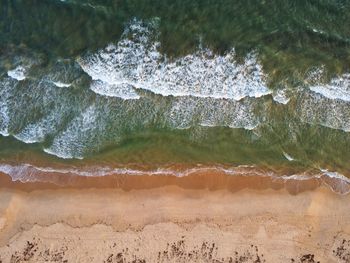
(337, 89)
(76, 107)
(135, 62)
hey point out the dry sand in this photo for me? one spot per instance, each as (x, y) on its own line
(177, 220)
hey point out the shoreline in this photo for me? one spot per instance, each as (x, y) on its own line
(29, 178)
(196, 218)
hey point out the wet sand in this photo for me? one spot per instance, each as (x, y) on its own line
(200, 218)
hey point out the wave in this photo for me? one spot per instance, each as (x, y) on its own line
(337, 89)
(76, 122)
(38, 130)
(315, 108)
(135, 62)
(71, 142)
(29, 173)
(187, 112)
(124, 91)
(135, 87)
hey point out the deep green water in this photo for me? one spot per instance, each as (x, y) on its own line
(170, 89)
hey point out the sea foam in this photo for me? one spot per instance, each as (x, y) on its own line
(186, 112)
(135, 62)
(5, 85)
(281, 97)
(314, 108)
(72, 142)
(288, 157)
(337, 89)
(122, 90)
(17, 73)
(61, 84)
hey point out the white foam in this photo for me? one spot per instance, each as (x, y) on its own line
(280, 97)
(288, 157)
(17, 73)
(336, 181)
(335, 175)
(186, 112)
(23, 137)
(72, 142)
(61, 84)
(136, 61)
(124, 91)
(4, 119)
(337, 89)
(314, 108)
(29, 173)
(61, 153)
(299, 177)
(36, 132)
(315, 75)
(4, 107)
(17, 172)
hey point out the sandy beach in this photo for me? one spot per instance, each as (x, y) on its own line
(199, 219)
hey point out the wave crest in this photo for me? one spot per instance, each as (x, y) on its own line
(135, 61)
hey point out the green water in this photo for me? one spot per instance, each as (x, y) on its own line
(290, 35)
(292, 40)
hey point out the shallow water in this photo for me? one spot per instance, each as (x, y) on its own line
(155, 83)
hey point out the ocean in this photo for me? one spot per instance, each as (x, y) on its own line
(127, 86)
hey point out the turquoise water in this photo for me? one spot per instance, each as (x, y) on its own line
(263, 83)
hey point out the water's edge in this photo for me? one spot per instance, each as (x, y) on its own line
(210, 177)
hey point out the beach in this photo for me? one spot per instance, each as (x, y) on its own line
(174, 131)
(201, 218)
